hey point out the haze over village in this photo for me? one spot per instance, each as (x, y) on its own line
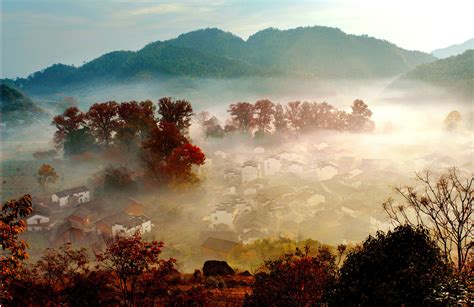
(291, 166)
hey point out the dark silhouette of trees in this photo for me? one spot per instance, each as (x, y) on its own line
(178, 112)
(212, 128)
(168, 156)
(128, 258)
(294, 115)
(179, 165)
(118, 179)
(103, 121)
(444, 205)
(295, 280)
(46, 175)
(79, 141)
(401, 267)
(136, 119)
(453, 120)
(44, 155)
(280, 119)
(360, 117)
(12, 224)
(70, 121)
(242, 116)
(264, 111)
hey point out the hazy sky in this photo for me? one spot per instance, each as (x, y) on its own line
(38, 33)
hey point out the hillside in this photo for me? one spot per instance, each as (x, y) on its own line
(453, 49)
(454, 75)
(17, 108)
(213, 53)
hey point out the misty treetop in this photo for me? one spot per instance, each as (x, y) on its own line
(132, 130)
(265, 118)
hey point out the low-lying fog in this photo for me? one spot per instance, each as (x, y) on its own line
(409, 136)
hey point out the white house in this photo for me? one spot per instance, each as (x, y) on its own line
(77, 195)
(296, 168)
(223, 215)
(38, 221)
(129, 224)
(250, 171)
(271, 166)
(326, 173)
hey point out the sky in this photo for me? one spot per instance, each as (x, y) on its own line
(38, 33)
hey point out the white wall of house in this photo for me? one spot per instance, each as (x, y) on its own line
(326, 173)
(36, 222)
(122, 229)
(296, 168)
(271, 166)
(82, 197)
(37, 219)
(249, 173)
(315, 200)
(221, 216)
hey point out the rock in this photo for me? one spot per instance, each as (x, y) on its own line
(217, 268)
(245, 273)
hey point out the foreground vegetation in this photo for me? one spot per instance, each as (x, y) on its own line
(405, 266)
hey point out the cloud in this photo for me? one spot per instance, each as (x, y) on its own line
(158, 9)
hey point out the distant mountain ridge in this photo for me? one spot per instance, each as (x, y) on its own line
(17, 108)
(453, 49)
(213, 53)
(455, 75)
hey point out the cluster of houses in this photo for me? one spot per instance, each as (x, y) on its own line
(71, 216)
(265, 195)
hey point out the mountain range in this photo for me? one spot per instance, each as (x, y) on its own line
(17, 108)
(453, 49)
(320, 52)
(454, 75)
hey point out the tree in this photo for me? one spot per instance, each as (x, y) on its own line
(129, 257)
(445, 206)
(280, 123)
(43, 155)
(179, 165)
(178, 112)
(403, 267)
(360, 117)
(136, 118)
(212, 128)
(46, 174)
(70, 121)
(103, 120)
(58, 267)
(118, 179)
(201, 118)
(264, 111)
(295, 280)
(158, 147)
(452, 120)
(242, 115)
(12, 224)
(78, 142)
(294, 115)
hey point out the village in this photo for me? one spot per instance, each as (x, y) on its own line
(316, 191)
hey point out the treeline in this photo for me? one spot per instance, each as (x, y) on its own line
(265, 117)
(131, 129)
(400, 267)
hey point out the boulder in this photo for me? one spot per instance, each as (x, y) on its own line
(217, 268)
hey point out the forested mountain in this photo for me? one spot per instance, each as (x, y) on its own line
(454, 74)
(310, 51)
(17, 108)
(453, 49)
